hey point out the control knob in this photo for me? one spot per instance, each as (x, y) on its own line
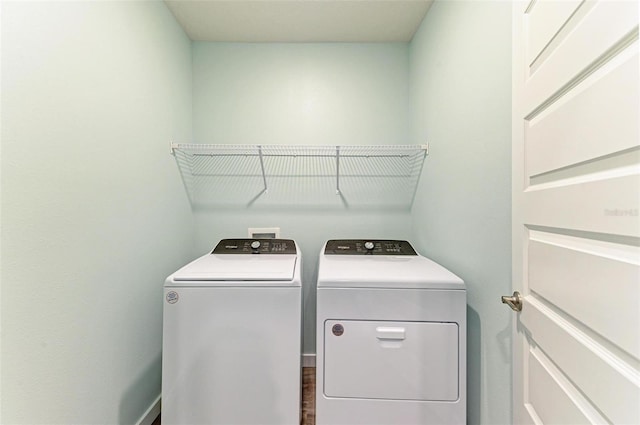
(255, 244)
(369, 245)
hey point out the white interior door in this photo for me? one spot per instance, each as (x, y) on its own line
(576, 196)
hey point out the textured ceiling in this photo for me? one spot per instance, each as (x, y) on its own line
(300, 20)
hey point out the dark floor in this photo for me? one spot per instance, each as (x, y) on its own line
(308, 408)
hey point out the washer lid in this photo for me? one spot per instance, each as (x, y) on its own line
(384, 271)
(215, 267)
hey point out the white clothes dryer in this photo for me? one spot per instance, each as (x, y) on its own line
(391, 337)
(232, 336)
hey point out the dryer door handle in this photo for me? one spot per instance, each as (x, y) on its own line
(384, 332)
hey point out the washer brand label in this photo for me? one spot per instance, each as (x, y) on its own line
(172, 297)
(337, 329)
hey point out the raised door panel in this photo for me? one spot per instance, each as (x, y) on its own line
(583, 125)
(608, 283)
(609, 382)
(546, 19)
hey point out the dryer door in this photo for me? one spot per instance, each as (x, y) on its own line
(391, 360)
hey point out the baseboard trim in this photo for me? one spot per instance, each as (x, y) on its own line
(151, 414)
(308, 360)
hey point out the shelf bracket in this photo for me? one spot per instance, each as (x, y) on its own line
(337, 170)
(425, 148)
(264, 177)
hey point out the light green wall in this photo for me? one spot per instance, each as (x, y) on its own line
(311, 94)
(94, 215)
(460, 80)
(300, 93)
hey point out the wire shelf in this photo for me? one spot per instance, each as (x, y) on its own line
(300, 175)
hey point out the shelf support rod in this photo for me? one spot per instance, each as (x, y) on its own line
(264, 177)
(337, 170)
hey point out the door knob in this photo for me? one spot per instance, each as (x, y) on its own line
(514, 301)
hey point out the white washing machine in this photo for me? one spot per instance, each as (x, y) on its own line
(232, 336)
(391, 337)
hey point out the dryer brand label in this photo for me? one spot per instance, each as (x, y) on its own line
(172, 297)
(337, 329)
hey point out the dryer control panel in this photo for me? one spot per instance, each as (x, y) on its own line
(368, 247)
(255, 246)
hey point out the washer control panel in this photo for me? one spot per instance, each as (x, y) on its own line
(255, 246)
(368, 247)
